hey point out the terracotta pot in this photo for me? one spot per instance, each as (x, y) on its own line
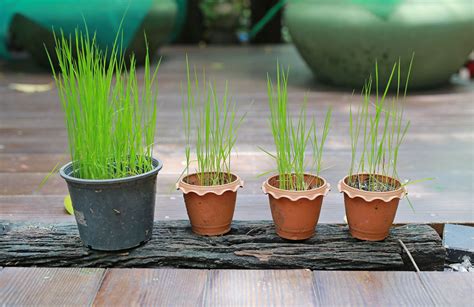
(210, 208)
(296, 213)
(370, 214)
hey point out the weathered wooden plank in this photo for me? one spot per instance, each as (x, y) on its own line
(251, 245)
(449, 288)
(169, 121)
(369, 289)
(259, 288)
(172, 287)
(20, 194)
(248, 159)
(49, 286)
(27, 184)
(149, 287)
(415, 145)
(50, 209)
(33, 207)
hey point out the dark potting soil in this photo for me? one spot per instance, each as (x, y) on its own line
(310, 183)
(113, 170)
(195, 179)
(372, 185)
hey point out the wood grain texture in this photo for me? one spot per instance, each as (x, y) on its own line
(449, 288)
(29, 183)
(148, 287)
(259, 288)
(183, 287)
(49, 286)
(369, 289)
(249, 245)
(50, 209)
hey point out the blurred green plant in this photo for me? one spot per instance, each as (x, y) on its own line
(222, 13)
(224, 19)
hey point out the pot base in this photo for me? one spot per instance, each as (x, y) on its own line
(210, 231)
(115, 214)
(295, 236)
(101, 249)
(367, 236)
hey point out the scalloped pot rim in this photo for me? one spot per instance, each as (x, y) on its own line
(371, 196)
(215, 189)
(312, 194)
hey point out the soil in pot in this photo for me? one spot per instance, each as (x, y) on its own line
(210, 208)
(113, 214)
(370, 214)
(296, 213)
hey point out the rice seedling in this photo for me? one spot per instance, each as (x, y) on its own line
(211, 122)
(292, 139)
(110, 121)
(377, 130)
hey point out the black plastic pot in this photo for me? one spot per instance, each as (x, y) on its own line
(113, 214)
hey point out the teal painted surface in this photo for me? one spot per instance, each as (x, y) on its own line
(341, 39)
(103, 16)
(181, 14)
(381, 8)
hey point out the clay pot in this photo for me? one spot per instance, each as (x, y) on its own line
(296, 213)
(370, 214)
(210, 208)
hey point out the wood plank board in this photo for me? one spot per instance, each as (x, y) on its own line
(259, 288)
(182, 287)
(369, 289)
(249, 245)
(49, 286)
(449, 288)
(29, 183)
(147, 287)
(50, 209)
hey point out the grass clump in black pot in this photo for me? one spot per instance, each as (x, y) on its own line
(111, 123)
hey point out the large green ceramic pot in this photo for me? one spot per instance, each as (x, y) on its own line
(341, 39)
(159, 19)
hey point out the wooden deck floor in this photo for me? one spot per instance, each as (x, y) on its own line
(440, 143)
(175, 287)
